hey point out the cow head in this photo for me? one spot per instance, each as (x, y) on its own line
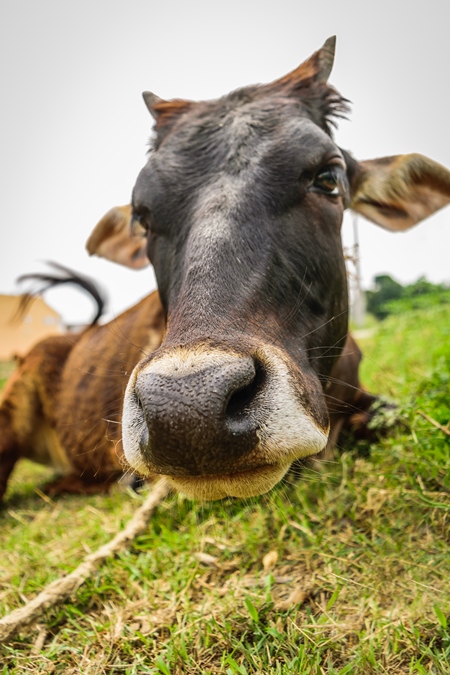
(241, 202)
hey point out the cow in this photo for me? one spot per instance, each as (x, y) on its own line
(241, 202)
(62, 405)
(242, 363)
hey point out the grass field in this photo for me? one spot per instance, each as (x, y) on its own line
(343, 569)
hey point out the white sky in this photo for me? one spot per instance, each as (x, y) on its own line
(74, 129)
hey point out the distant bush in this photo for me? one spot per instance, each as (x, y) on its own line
(390, 297)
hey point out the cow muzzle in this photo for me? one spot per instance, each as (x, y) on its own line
(215, 422)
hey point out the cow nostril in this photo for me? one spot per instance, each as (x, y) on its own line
(242, 398)
(139, 402)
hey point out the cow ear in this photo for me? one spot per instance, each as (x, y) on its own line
(113, 238)
(398, 192)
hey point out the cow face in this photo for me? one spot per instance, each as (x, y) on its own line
(242, 201)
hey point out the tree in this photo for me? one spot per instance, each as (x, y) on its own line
(386, 289)
(390, 297)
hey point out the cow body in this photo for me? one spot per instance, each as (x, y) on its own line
(62, 406)
(249, 366)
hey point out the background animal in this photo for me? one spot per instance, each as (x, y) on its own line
(62, 405)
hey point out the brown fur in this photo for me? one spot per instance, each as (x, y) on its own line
(166, 111)
(62, 406)
(112, 234)
(347, 401)
(398, 192)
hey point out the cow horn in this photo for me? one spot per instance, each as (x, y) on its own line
(326, 59)
(150, 101)
(316, 68)
(164, 111)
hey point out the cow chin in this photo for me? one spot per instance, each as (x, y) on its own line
(242, 484)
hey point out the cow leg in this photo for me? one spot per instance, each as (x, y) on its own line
(25, 429)
(79, 485)
(349, 404)
(12, 433)
(75, 484)
(9, 451)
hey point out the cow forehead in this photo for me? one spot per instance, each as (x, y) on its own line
(250, 143)
(226, 131)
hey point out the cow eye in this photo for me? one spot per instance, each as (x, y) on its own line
(139, 224)
(327, 181)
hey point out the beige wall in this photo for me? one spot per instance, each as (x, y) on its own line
(17, 336)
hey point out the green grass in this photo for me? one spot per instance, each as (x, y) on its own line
(357, 580)
(6, 368)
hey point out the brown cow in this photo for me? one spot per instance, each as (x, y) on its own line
(62, 406)
(241, 201)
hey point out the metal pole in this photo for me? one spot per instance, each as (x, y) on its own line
(359, 305)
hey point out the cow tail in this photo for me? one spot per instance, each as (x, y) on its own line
(65, 276)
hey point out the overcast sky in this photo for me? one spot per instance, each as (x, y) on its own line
(74, 129)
